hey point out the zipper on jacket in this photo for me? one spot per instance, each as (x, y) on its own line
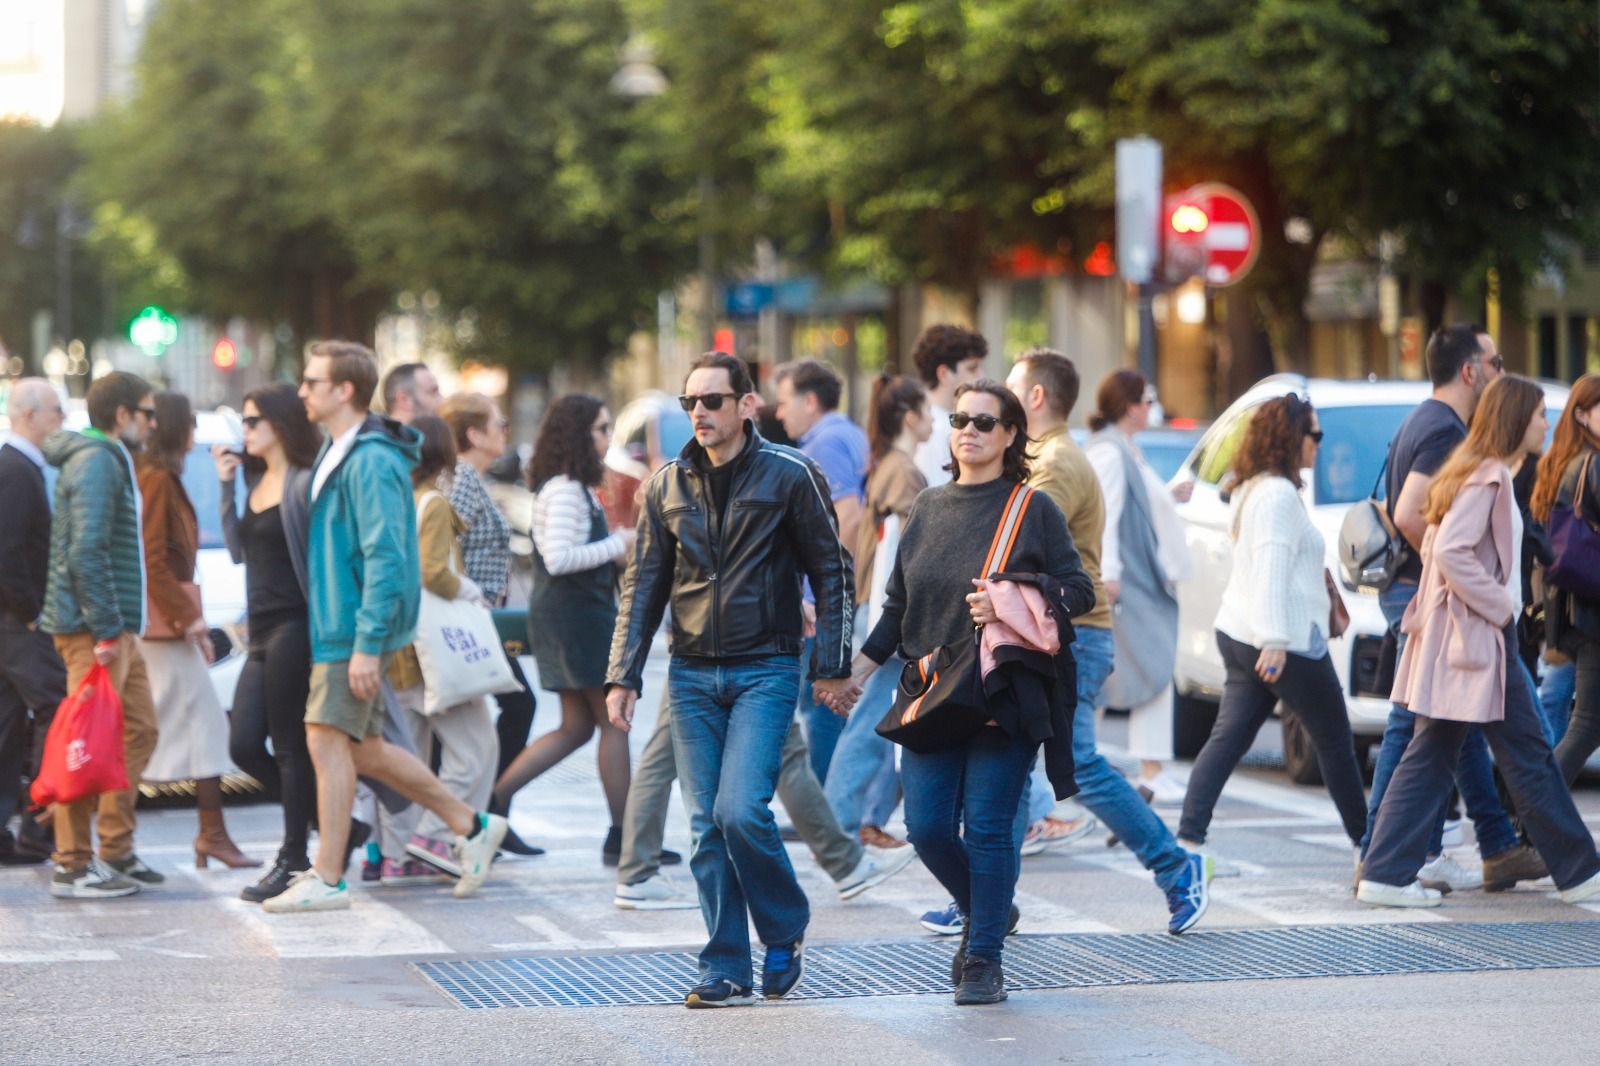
(713, 532)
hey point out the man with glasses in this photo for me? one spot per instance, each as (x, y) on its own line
(1461, 362)
(726, 533)
(366, 581)
(94, 608)
(32, 678)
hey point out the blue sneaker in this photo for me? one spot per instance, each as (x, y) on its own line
(719, 992)
(782, 969)
(947, 921)
(1189, 898)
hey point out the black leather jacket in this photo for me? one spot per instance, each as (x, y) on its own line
(734, 585)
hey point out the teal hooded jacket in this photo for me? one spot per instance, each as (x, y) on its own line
(96, 579)
(361, 561)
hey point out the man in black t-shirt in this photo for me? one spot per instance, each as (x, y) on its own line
(1461, 362)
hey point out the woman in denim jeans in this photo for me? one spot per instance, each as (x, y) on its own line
(961, 802)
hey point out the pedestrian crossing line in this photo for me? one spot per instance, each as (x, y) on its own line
(49, 956)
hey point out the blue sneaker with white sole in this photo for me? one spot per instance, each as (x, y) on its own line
(1189, 898)
(946, 921)
(718, 992)
(782, 969)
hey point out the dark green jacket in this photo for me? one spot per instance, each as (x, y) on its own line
(96, 579)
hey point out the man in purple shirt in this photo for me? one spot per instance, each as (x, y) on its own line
(808, 407)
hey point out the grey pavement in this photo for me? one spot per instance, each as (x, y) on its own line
(189, 973)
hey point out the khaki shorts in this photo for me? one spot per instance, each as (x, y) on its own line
(331, 703)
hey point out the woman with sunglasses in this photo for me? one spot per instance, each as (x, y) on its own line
(269, 538)
(192, 739)
(573, 608)
(1460, 666)
(1272, 627)
(1143, 554)
(962, 802)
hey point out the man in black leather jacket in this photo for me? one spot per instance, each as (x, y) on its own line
(726, 533)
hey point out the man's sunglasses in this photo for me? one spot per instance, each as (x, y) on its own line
(712, 400)
(1495, 361)
(148, 412)
(984, 423)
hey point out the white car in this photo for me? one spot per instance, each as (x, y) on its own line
(1359, 419)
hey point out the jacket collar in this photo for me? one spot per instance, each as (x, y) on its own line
(694, 459)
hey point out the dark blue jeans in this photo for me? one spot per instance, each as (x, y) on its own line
(976, 786)
(1474, 769)
(729, 722)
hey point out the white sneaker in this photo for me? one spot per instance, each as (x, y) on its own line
(1164, 789)
(654, 893)
(1444, 874)
(95, 881)
(307, 891)
(1412, 895)
(877, 865)
(1580, 892)
(1219, 867)
(474, 854)
(1454, 835)
(1052, 832)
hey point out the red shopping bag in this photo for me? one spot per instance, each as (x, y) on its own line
(83, 750)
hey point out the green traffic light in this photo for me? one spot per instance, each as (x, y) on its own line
(153, 330)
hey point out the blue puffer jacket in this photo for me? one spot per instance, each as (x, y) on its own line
(361, 561)
(96, 580)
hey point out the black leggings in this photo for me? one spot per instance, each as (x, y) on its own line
(1309, 688)
(271, 702)
(1583, 729)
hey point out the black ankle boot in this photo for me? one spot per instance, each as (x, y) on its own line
(982, 981)
(611, 850)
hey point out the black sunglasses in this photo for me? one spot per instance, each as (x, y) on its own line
(1315, 435)
(712, 400)
(985, 423)
(251, 421)
(148, 412)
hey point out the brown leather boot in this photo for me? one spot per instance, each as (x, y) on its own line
(213, 841)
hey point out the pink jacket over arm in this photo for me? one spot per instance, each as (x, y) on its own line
(1454, 664)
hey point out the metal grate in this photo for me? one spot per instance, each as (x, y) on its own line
(1037, 962)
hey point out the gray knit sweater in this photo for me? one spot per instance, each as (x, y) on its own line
(942, 549)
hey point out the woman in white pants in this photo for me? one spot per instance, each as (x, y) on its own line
(1143, 555)
(469, 746)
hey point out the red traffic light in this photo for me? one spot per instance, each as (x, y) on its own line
(1189, 219)
(224, 354)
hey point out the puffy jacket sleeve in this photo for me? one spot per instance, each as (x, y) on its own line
(89, 563)
(825, 561)
(646, 588)
(1455, 553)
(387, 560)
(437, 539)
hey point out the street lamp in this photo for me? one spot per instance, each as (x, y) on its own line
(638, 78)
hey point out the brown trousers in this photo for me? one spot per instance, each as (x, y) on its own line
(74, 846)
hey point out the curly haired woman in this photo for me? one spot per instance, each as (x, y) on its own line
(1272, 626)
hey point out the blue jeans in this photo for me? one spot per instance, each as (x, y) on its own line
(1556, 692)
(862, 786)
(822, 726)
(1474, 771)
(728, 727)
(977, 786)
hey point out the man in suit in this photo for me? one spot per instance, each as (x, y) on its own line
(32, 678)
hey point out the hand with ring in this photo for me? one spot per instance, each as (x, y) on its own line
(1269, 664)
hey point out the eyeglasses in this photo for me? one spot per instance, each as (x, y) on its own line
(984, 423)
(1315, 435)
(310, 381)
(712, 400)
(1498, 362)
(251, 421)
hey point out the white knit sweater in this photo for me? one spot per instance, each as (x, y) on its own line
(1275, 593)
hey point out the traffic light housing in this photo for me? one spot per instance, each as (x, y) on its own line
(1184, 237)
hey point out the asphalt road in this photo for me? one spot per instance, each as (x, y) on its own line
(189, 973)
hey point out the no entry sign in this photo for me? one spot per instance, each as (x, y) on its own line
(1212, 231)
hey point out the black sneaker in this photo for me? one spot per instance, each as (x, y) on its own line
(982, 981)
(515, 845)
(718, 993)
(611, 850)
(782, 969)
(668, 858)
(960, 959)
(94, 881)
(275, 880)
(133, 868)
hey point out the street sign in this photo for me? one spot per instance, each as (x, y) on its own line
(1211, 230)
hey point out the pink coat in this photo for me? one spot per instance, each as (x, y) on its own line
(1454, 664)
(1023, 618)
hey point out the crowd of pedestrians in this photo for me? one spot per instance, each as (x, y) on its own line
(813, 591)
